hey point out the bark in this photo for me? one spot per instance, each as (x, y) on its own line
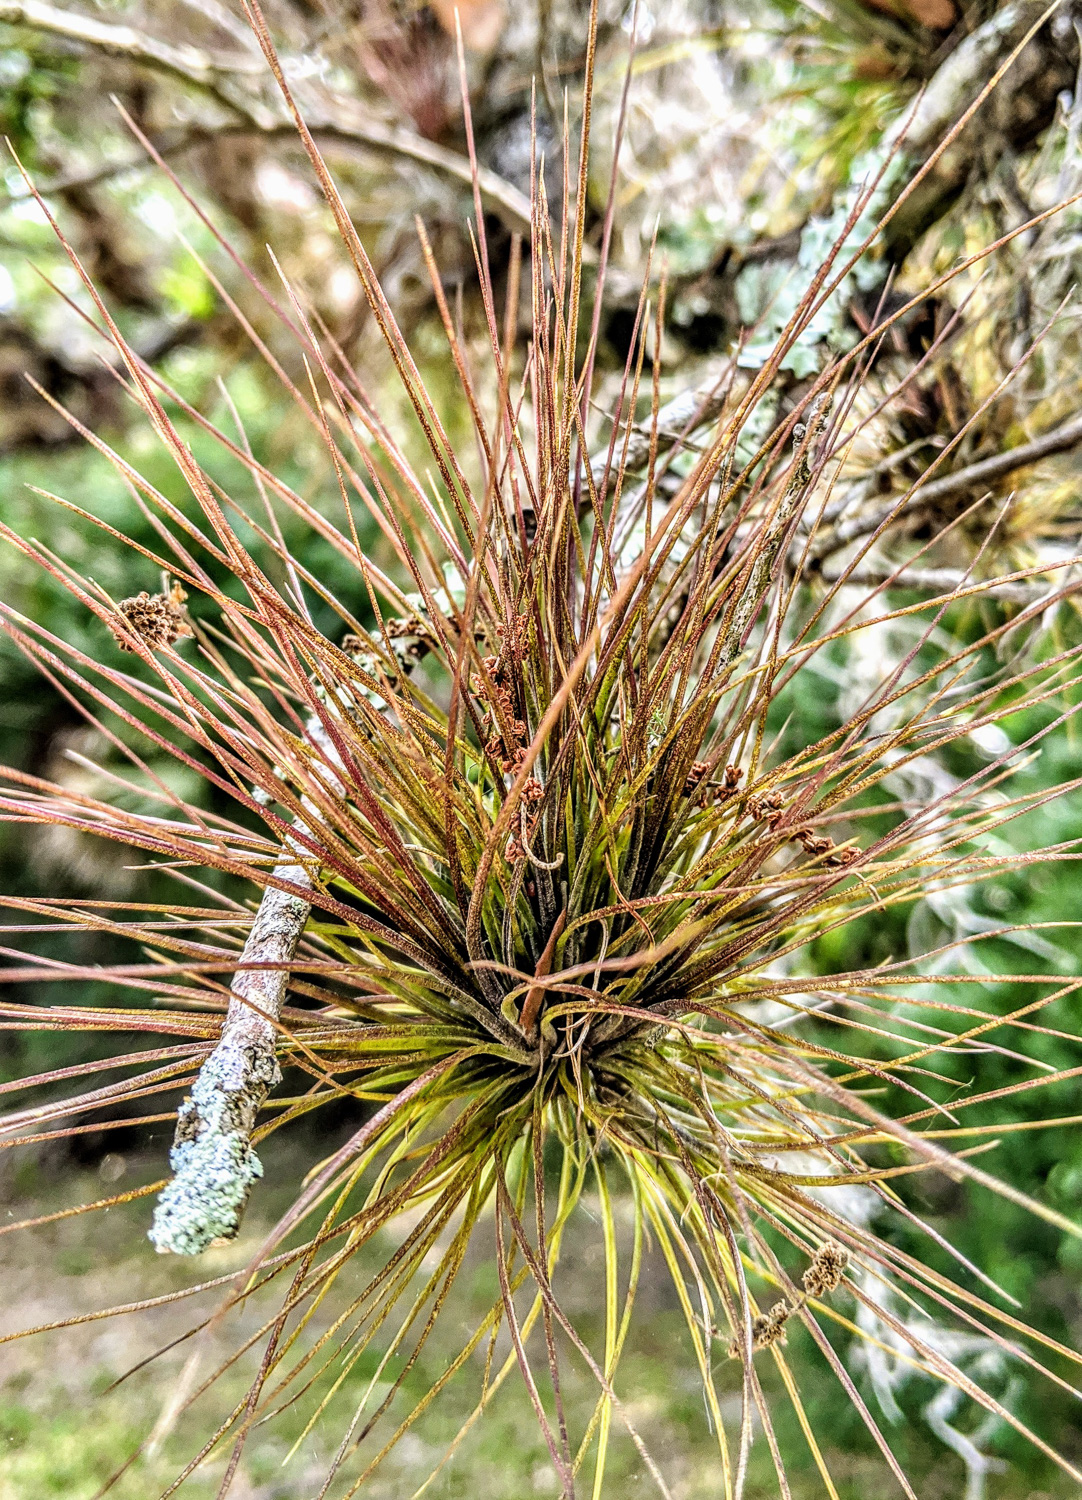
(212, 1156)
(1017, 112)
(1020, 108)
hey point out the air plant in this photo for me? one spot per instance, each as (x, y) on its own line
(541, 864)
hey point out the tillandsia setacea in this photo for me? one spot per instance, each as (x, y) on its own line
(542, 868)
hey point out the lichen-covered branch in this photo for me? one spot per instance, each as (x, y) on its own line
(212, 1156)
(903, 184)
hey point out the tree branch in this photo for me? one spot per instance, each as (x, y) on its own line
(676, 421)
(938, 581)
(985, 471)
(212, 1155)
(228, 78)
(212, 1158)
(193, 64)
(1021, 107)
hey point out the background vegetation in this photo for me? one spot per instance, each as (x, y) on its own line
(747, 131)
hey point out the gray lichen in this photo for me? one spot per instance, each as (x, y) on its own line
(212, 1156)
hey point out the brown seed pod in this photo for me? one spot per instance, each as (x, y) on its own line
(766, 807)
(694, 776)
(768, 1328)
(826, 1270)
(158, 619)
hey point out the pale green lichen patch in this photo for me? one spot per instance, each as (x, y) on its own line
(206, 1198)
(212, 1155)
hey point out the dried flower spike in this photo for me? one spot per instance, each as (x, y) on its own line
(826, 1269)
(158, 619)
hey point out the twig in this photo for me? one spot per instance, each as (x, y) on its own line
(193, 64)
(985, 471)
(212, 1157)
(939, 581)
(497, 194)
(966, 70)
(676, 422)
(175, 145)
